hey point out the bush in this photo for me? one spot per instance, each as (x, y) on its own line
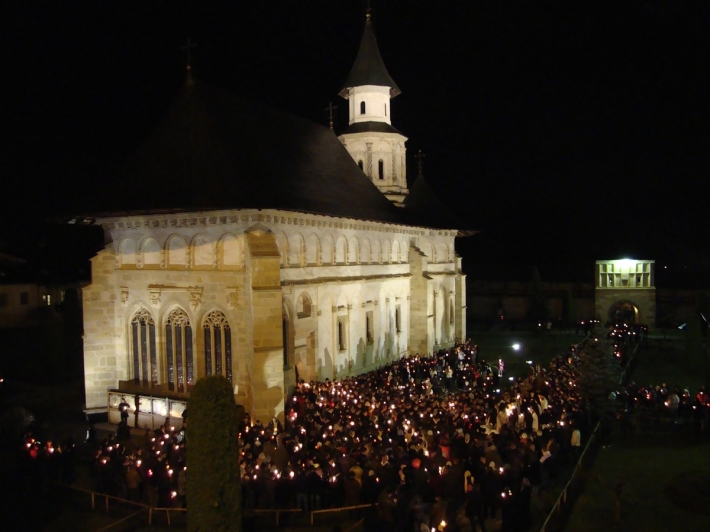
(213, 483)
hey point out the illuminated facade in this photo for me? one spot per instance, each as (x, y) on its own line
(625, 291)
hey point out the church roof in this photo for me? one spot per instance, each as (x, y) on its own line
(215, 150)
(371, 127)
(424, 205)
(369, 68)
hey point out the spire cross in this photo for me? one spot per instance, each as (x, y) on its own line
(330, 110)
(368, 11)
(189, 46)
(420, 161)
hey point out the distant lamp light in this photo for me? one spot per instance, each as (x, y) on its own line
(516, 347)
(683, 326)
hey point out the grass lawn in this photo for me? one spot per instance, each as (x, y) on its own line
(646, 468)
(540, 348)
(646, 464)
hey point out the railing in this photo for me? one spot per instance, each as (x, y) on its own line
(277, 512)
(562, 498)
(167, 513)
(341, 509)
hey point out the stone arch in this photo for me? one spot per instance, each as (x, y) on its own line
(428, 250)
(297, 250)
(150, 252)
(327, 251)
(353, 251)
(202, 251)
(395, 251)
(127, 252)
(624, 311)
(313, 250)
(442, 252)
(341, 250)
(304, 305)
(452, 252)
(282, 244)
(386, 251)
(289, 334)
(231, 249)
(365, 252)
(376, 251)
(176, 251)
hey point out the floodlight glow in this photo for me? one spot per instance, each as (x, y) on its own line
(516, 347)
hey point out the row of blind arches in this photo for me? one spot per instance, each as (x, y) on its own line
(297, 251)
(178, 359)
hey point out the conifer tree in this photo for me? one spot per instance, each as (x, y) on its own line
(213, 482)
(599, 369)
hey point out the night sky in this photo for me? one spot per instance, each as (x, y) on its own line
(565, 131)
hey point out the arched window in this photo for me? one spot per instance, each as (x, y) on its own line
(145, 358)
(385, 109)
(451, 312)
(178, 343)
(381, 169)
(359, 163)
(362, 108)
(218, 345)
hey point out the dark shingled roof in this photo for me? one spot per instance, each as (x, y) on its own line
(215, 150)
(424, 205)
(370, 127)
(369, 69)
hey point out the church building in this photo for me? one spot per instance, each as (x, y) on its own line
(260, 246)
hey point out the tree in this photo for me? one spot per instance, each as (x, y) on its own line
(538, 311)
(213, 482)
(599, 369)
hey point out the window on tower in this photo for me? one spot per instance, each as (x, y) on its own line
(385, 109)
(359, 163)
(362, 108)
(381, 169)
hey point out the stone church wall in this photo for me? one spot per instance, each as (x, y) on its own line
(341, 294)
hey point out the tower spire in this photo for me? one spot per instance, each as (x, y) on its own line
(420, 163)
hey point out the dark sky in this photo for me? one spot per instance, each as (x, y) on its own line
(567, 131)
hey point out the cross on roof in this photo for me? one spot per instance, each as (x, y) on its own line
(420, 161)
(330, 110)
(189, 46)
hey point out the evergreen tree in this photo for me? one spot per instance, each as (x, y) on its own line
(213, 482)
(538, 311)
(599, 369)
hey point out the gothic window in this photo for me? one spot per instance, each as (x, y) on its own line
(398, 319)
(144, 354)
(381, 169)
(359, 163)
(451, 312)
(385, 109)
(218, 345)
(178, 342)
(362, 108)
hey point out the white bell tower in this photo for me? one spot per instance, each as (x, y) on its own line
(376, 146)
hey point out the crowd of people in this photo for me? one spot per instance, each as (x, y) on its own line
(441, 442)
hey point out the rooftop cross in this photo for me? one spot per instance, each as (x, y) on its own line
(189, 46)
(420, 162)
(330, 110)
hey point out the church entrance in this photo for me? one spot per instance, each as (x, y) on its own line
(623, 312)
